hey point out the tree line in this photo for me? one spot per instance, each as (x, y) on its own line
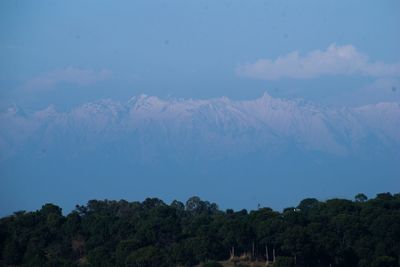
(335, 232)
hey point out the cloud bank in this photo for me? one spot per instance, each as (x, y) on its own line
(335, 60)
(68, 75)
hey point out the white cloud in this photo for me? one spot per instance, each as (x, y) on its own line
(335, 60)
(69, 75)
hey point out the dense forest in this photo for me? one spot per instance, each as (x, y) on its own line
(335, 232)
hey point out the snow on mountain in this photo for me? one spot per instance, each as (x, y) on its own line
(218, 126)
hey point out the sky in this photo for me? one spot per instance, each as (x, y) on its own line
(65, 54)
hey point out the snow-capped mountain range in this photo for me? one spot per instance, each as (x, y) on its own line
(216, 128)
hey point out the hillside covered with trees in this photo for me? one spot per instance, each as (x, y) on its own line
(335, 232)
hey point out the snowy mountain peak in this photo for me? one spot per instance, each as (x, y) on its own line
(264, 124)
(15, 110)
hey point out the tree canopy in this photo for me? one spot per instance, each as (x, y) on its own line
(335, 232)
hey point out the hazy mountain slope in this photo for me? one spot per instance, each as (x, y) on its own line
(205, 126)
(236, 152)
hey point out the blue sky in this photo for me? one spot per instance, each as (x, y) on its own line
(185, 48)
(65, 54)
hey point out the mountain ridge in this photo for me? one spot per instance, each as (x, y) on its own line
(265, 121)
